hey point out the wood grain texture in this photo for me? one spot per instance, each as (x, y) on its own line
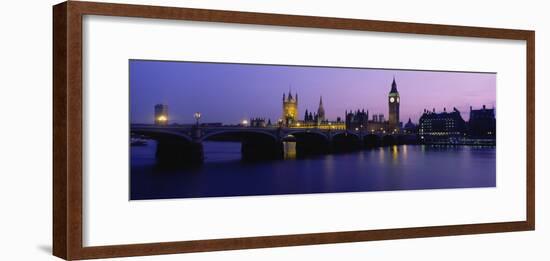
(74, 129)
(531, 130)
(60, 131)
(67, 137)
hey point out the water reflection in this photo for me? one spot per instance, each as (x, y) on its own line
(389, 168)
(394, 154)
(289, 150)
(381, 154)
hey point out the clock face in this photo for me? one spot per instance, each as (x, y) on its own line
(397, 99)
(392, 99)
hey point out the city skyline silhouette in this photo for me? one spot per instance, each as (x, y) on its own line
(229, 93)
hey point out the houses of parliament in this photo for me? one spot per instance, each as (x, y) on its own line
(357, 120)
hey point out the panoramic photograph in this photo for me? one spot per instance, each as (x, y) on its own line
(203, 129)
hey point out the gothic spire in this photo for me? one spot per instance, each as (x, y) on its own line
(290, 92)
(393, 86)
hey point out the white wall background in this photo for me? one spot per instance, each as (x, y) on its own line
(25, 149)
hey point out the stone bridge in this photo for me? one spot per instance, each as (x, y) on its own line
(183, 144)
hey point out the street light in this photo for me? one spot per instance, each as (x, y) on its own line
(197, 116)
(245, 122)
(162, 119)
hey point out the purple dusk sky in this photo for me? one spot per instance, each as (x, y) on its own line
(229, 93)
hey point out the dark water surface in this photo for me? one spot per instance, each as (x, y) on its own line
(403, 167)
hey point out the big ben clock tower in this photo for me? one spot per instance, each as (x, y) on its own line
(393, 104)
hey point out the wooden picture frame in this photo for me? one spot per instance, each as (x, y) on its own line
(68, 118)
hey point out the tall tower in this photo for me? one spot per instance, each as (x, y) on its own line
(393, 104)
(290, 109)
(161, 114)
(320, 112)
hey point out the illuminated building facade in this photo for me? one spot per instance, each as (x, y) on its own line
(441, 126)
(319, 120)
(378, 124)
(290, 109)
(353, 120)
(325, 125)
(161, 114)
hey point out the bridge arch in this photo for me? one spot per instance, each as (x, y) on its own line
(372, 140)
(173, 148)
(344, 133)
(158, 134)
(255, 144)
(389, 140)
(297, 133)
(310, 142)
(241, 133)
(346, 141)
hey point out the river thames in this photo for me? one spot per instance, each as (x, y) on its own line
(402, 167)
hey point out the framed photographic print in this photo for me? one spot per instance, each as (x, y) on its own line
(185, 130)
